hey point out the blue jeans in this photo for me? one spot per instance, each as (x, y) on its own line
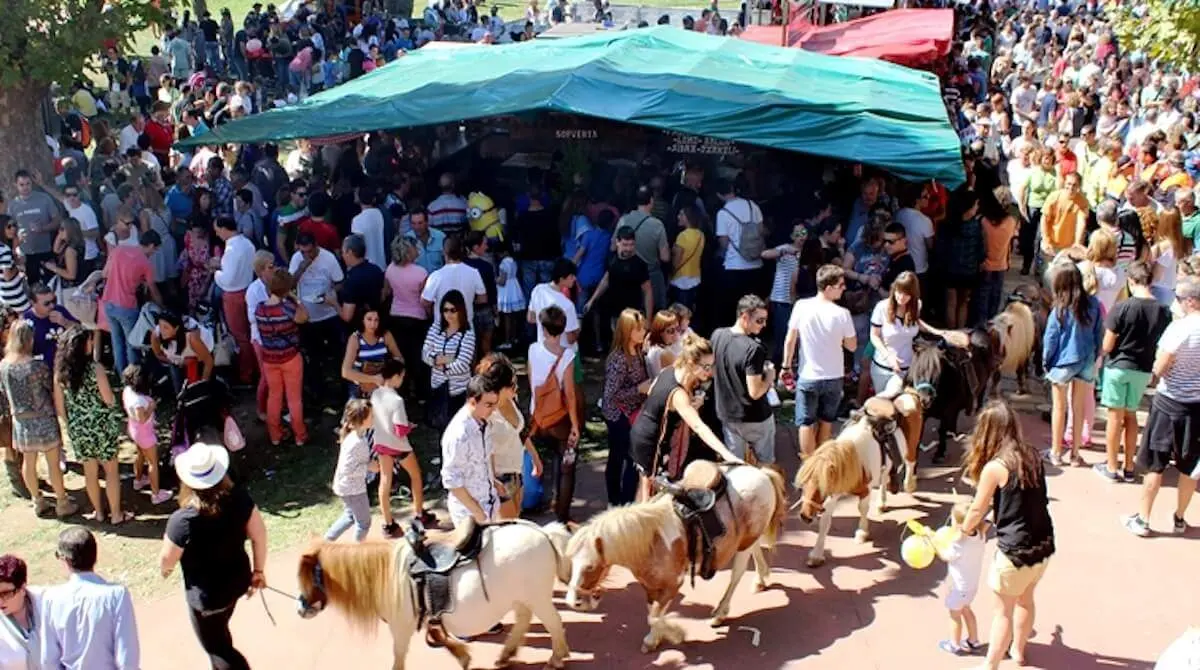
(357, 513)
(534, 273)
(120, 322)
(212, 56)
(991, 295)
(620, 475)
(685, 296)
(283, 74)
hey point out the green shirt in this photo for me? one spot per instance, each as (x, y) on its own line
(1038, 186)
(1191, 225)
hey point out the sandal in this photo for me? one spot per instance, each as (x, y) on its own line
(1077, 461)
(125, 516)
(951, 648)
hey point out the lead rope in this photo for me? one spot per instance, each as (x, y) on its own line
(263, 596)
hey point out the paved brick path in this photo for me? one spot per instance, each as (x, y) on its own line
(1109, 600)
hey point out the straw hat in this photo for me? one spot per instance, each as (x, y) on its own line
(202, 466)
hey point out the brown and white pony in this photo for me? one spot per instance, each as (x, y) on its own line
(649, 539)
(1015, 333)
(849, 465)
(516, 570)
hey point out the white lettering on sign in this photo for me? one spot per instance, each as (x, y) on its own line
(576, 134)
(692, 144)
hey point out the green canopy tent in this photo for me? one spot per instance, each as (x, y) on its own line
(850, 109)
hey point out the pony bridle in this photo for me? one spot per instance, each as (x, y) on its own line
(306, 609)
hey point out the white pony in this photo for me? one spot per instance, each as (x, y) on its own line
(850, 465)
(517, 566)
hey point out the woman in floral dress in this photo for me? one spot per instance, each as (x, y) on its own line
(84, 398)
(28, 401)
(198, 249)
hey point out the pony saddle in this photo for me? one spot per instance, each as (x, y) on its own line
(882, 415)
(695, 498)
(432, 560)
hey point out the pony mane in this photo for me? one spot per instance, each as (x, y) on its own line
(358, 578)
(926, 365)
(833, 468)
(1015, 328)
(627, 533)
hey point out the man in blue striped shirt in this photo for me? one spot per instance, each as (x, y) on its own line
(86, 623)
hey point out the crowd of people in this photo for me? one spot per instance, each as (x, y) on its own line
(703, 296)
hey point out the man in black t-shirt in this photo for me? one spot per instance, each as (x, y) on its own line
(212, 44)
(485, 315)
(1131, 333)
(627, 280)
(742, 379)
(895, 243)
(362, 289)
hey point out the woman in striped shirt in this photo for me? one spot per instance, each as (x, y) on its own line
(278, 318)
(366, 351)
(449, 350)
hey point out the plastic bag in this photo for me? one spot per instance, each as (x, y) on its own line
(234, 440)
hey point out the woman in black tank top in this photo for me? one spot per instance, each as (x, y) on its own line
(1011, 481)
(669, 403)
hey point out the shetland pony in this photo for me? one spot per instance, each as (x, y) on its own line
(951, 380)
(516, 571)
(1015, 333)
(851, 464)
(648, 538)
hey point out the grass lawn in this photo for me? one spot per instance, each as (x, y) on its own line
(290, 485)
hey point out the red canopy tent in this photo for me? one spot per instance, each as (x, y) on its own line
(910, 37)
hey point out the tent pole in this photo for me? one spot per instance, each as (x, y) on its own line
(787, 17)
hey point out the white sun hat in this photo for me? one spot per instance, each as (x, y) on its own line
(202, 466)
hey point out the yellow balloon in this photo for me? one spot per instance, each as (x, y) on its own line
(917, 551)
(944, 537)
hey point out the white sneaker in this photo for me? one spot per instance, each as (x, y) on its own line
(1135, 524)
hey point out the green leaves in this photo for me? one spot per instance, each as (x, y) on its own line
(1169, 31)
(44, 41)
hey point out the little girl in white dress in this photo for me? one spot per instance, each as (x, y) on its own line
(509, 298)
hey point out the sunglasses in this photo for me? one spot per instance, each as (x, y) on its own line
(301, 193)
(72, 194)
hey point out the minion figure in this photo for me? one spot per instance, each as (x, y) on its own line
(484, 216)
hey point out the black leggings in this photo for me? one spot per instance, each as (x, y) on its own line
(212, 629)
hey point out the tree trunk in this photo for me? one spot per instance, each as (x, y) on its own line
(23, 133)
(198, 9)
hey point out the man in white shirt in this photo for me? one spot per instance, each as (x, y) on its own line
(82, 212)
(455, 275)
(553, 292)
(369, 224)
(130, 133)
(256, 294)
(823, 329)
(467, 473)
(317, 274)
(86, 622)
(235, 271)
(918, 229)
(736, 222)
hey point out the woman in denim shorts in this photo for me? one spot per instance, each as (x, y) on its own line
(1069, 350)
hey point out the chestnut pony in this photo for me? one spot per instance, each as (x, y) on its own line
(649, 540)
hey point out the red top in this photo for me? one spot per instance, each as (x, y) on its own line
(323, 232)
(161, 135)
